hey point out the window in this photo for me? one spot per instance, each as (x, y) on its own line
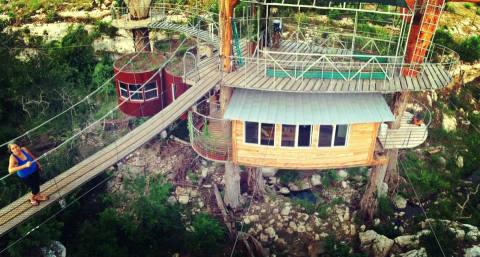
(340, 135)
(267, 134)
(325, 137)
(135, 92)
(304, 132)
(251, 132)
(123, 89)
(288, 135)
(151, 90)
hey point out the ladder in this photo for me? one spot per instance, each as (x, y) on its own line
(430, 11)
(236, 41)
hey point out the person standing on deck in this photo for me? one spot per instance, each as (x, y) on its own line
(22, 162)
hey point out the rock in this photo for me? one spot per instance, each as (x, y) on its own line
(376, 222)
(292, 225)
(270, 232)
(300, 186)
(172, 200)
(183, 199)
(285, 211)
(459, 161)
(268, 172)
(342, 174)
(284, 190)
(374, 243)
(382, 189)
(362, 228)
(204, 172)
(429, 101)
(323, 235)
(55, 249)
(407, 241)
(399, 202)
(353, 230)
(473, 251)
(449, 123)
(263, 238)
(247, 220)
(415, 253)
(163, 134)
(316, 180)
(344, 184)
(301, 229)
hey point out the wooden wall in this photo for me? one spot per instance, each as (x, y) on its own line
(358, 152)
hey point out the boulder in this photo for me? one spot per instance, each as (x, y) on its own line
(449, 123)
(270, 232)
(407, 241)
(400, 202)
(316, 180)
(473, 251)
(268, 172)
(285, 211)
(284, 190)
(415, 253)
(183, 199)
(459, 161)
(375, 244)
(342, 174)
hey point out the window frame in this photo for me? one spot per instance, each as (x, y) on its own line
(120, 89)
(294, 137)
(259, 134)
(298, 135)
(332, 139)
(150, 90)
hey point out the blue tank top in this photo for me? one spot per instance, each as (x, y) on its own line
(26, 171)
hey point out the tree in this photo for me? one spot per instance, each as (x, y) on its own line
(138, 10)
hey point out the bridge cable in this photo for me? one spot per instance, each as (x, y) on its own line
(74, 105)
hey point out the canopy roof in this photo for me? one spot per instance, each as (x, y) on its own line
(307, 109)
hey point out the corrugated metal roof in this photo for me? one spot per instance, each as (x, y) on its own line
(314, 108)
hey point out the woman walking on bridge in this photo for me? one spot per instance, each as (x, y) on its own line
(22, 162)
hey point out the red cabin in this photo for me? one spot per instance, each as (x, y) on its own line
(139, 101)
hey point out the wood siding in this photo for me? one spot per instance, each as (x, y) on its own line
(358, 152)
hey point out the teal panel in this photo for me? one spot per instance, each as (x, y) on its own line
(325, 74)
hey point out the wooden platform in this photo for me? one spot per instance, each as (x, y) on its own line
(407, 136)
(20, 210)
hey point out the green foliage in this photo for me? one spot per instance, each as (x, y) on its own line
(387, 229)
(287, 176)
(450, 7)
(207, 235)
(309, 207)
(446, 238)
(334, 14)
(329, 178)
(444, 37)
(469, 49)
(468, 5)
(334, 248)
(106, 28)
(385, 207)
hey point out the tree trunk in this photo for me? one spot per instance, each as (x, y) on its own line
(386, 172)
(139, 10)
(226, 13)
(141, 40)
(232, 185)
(256, 183)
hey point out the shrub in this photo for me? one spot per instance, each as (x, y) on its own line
(106, 28)
(445, 38)
(334, 14)
(287, 176)
(469, 49)
(387, 229)
(385, 207)
(329, 178)
(449, 7)
(468, 5)
(310, 207)
(333, 248)
(446, 239)
(206, 236)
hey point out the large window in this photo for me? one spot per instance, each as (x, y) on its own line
(333, 135)
(151, 90)
(304, 132)
(251, 132)
(325, 137)
(340, 135)
(267, 134)
(288, 135)
(136, 92)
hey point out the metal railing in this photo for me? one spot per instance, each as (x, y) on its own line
(408, 135)
(210, 135)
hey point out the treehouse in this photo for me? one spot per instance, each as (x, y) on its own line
(316, 89)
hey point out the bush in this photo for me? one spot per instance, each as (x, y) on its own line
(446, 239)
(333, 248)
(206, 236)
(334, 14)
(469, 49)
(468, 5)
(445, 38)
(449, 7)
(106, 28)
(385, 207)
(287, 176)
(329, 178)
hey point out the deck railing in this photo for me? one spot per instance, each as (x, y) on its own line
(408, 135)
(210, 135)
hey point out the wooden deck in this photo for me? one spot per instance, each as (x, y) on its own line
(20, 210)
(407, 136)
